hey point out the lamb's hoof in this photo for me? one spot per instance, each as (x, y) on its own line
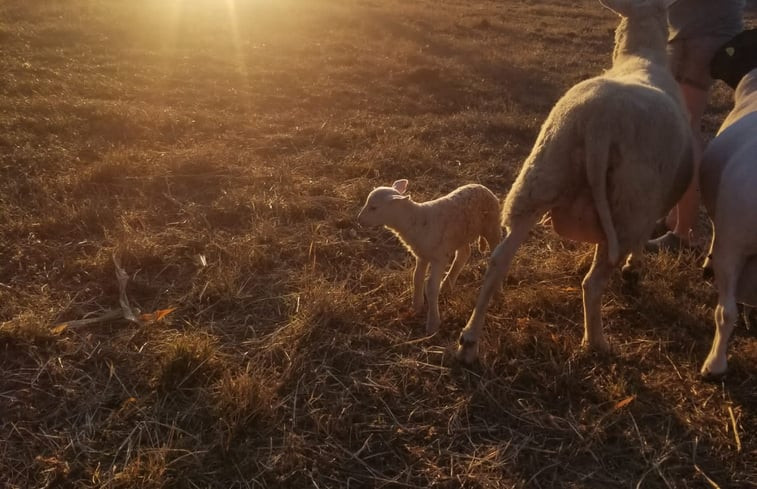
(432, 327)
(467, 350)
(598, 346)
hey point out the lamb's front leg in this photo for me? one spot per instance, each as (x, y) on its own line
(419, 277)
(432, 290)
(593, 285)
(499, 264)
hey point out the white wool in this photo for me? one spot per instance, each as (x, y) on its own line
(620, 140)
(436, 232)
(728, 182)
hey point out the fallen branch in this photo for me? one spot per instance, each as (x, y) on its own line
(126, 311)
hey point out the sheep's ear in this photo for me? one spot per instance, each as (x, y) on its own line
(400, 197)
(626, 8)
(400, 186)
(620, 7)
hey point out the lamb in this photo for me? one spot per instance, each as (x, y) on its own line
(614, 155)
(436, 233)
(728, 179)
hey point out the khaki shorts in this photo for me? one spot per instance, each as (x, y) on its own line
(690, 59)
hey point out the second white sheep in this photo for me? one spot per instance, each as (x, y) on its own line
(436, 232)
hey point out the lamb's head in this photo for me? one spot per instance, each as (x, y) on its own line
(643, 29)
(384, 205)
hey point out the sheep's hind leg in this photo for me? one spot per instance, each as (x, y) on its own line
(432, 289)
(631, 270)
(419, 278)
(461, 258)
(726, 314)
(593, 285)
(499, 264)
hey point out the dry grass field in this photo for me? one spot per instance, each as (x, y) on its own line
(220, 150)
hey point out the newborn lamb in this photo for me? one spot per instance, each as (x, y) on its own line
(436, 233)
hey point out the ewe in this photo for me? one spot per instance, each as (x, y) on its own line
(728, 181)
(613, 156)
(436, 233)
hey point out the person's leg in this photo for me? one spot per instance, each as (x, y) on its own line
(688, 207)
(689, 62)
(681, 220)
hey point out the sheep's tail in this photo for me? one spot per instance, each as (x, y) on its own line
(597, 147)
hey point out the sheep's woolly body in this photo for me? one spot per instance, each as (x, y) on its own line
(436, 233)
(434, 230)
(620, 142)
(630, 127)
(728, 179)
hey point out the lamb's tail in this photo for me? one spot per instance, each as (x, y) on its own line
(597, 154)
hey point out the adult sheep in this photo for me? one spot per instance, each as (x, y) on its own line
(728, 182)
(613, 156)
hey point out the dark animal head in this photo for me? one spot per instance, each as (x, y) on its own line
(735, 58)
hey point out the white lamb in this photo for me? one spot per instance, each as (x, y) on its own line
(614, 155)
(436, 233)
(728, 183)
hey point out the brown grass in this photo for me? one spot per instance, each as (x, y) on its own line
(223, 157)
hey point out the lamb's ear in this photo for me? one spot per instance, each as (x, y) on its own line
(400, 197)
(400, 186)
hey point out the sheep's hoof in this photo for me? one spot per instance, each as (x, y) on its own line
(713, 370)
(630, 276)
(707, 375)
(467, 351)
(708, 274)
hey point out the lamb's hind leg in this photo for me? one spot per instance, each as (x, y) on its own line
(726, 313)
(499, 264)
(593, 286)
(461, 258)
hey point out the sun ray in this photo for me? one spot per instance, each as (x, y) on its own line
(231, 8)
